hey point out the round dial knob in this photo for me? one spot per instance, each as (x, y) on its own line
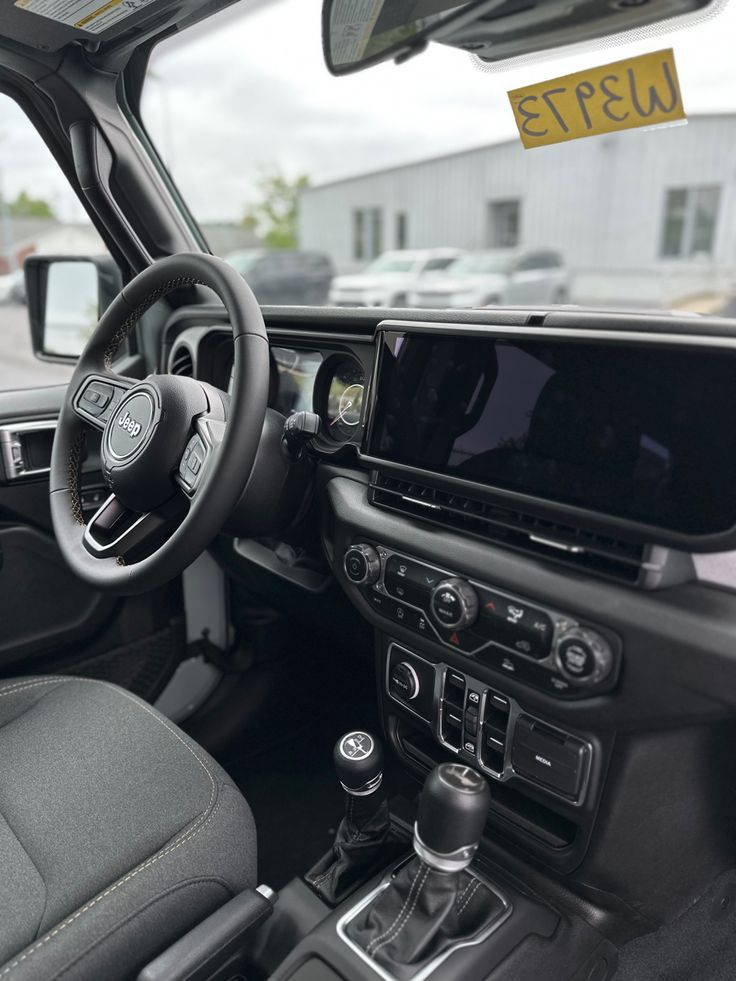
(584, 657)
(453, 808)
(404, 681)
(454, 604)
(362, 565)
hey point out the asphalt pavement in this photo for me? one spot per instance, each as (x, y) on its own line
(19, 368)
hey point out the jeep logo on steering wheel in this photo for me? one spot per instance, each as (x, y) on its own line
(128, 423)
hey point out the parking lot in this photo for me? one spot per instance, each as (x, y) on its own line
(18, 366)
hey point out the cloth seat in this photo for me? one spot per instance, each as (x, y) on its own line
(117, 832)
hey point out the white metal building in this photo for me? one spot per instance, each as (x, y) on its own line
(645, 216)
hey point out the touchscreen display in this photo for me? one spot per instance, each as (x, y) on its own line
(646, 433)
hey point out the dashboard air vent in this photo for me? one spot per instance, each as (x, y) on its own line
(182, 363)
(602, 554)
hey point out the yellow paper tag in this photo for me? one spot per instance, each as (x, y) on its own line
(642, 91)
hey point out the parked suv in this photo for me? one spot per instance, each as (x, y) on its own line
(390, 278)
(496, 276)
(285, 277)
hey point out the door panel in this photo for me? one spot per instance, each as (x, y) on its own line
(42, 607)
(50, 620)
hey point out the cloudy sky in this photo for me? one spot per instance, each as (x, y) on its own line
(250, 93)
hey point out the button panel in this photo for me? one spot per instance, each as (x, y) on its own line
(99, 398)
(510, 635)
(191, 462)
(489, 729)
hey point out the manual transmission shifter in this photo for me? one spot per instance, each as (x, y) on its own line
(433, 902)
(364, 841)
(453, 809)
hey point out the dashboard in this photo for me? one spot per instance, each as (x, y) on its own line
(624, 430)
(315, 376)
(513, 508)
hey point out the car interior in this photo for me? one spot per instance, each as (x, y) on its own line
(353, 642)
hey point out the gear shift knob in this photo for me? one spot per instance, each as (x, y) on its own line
(359, 763)
(453, 808)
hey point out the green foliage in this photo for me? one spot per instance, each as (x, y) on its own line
(25, 206)
(275, 215)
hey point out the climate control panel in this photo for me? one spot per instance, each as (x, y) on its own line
(547, 649)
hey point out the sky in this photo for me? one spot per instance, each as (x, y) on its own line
(248, 92)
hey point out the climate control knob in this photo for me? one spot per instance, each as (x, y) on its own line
(362, 565)
(584, 656)
(454, 604)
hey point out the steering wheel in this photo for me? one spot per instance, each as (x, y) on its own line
(176, 453)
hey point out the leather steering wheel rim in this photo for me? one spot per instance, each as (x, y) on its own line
(230, 459)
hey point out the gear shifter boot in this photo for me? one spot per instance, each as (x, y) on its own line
(362, 845)
(421, 914)
(433, 903)
(364, 842)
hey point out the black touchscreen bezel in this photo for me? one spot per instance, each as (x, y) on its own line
(589, 519)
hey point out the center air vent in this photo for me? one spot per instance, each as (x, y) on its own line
(640, 565)
(182, 363)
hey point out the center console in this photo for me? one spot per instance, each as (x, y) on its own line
(462, 664)
(478, 723)
(489, 729)
(518, 529)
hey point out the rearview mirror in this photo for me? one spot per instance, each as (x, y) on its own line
(66, 296)
(360, 33)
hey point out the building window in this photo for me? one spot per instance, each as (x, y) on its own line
(376, 243)
(358, 234)
(367, 233)
(402, 229)
(504, 223)
(690, 217)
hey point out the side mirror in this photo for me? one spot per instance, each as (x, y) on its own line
(66, 296)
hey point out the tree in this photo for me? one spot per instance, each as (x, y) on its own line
(25, 206)
(275, 215)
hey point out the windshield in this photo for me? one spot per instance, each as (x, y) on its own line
(485, 262)
(243, 261)
(270, 151)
